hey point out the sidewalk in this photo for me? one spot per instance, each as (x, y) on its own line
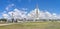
(6, 24)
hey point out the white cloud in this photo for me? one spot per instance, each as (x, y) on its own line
(9, 6)
(22, 13)
(5, 16)
(43, 15)
(18, 13)
(24, 9)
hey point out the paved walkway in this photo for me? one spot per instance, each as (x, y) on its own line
(6, 24)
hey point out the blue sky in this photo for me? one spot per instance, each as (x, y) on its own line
(52, 6)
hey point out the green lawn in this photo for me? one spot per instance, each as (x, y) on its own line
(33, 25)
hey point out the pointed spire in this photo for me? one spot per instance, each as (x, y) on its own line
(37, 11)
(37, 6)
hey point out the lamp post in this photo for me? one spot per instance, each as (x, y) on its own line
(7, 13)
(12, 18)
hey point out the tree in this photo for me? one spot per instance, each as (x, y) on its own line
(3, 19)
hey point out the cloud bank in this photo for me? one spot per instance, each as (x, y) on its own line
(32, 14)
(43, 15)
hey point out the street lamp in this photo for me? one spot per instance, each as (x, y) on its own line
(12, 18)
(7, 13)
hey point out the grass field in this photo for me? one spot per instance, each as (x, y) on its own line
(33, 25)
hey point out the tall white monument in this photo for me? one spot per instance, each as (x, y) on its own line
(37, 12)
(34, 14)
